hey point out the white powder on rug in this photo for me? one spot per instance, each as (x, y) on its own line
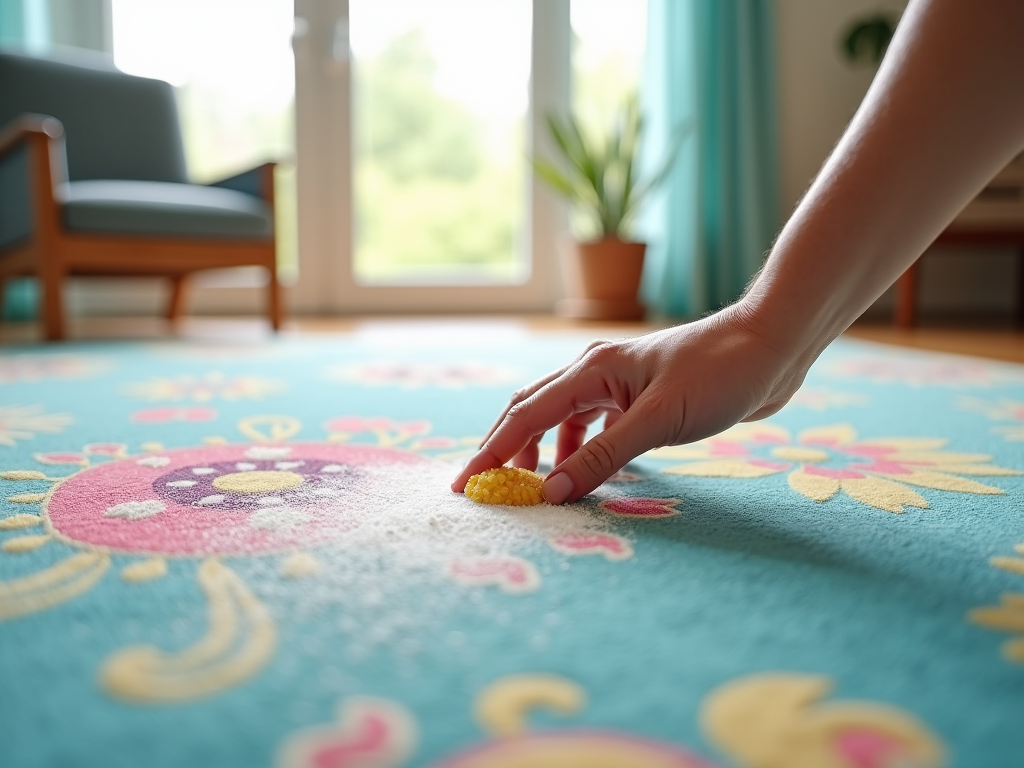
(386, 578)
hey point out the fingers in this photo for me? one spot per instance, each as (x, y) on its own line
(525, 422)
(529, 457)
(601, 457)
(573, 432)
(526, 392)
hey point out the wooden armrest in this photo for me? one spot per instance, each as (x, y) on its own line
(43, 140)
(258, 182)
(26, 125)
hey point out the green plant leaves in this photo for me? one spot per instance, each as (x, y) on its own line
(600, 177)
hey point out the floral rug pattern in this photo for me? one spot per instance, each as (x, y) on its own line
(254, 557)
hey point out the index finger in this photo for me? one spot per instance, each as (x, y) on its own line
(553, 404)
(522, 394)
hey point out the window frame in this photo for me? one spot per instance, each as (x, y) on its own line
(323, 132)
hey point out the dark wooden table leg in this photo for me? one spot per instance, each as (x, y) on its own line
(906, 297)
(1020, 288)
(176, 303)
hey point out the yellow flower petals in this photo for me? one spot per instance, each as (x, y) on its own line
(800, 454)
(939, 457)
(1013, 650)
(834, 434)
(1008, 617)
(1011, 564)
(145, 570)
(721, 468)
(905, 444)
(943, 482)
(27, 498)
(14, 522)
(814, 487)
(755, 431)
(506, 485)
(26, 543)
(979, 470)
(679, 452)
(883, 494)
(503, 708)
(299, 565)
(22, 474)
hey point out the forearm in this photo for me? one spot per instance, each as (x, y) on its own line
(944, 114)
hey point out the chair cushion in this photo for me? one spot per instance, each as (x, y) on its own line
(165, 209)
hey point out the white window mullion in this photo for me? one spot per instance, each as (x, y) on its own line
(324, 154)
(324, 140)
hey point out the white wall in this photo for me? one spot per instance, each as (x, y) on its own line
(818, 93)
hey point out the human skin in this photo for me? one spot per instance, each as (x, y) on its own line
(944, 114)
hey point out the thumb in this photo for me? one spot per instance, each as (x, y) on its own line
(600, 458)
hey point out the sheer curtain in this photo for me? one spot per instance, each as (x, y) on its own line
(710, 72)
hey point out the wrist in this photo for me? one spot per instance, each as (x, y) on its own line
(792, 333)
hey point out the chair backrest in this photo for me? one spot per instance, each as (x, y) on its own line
(117, 126)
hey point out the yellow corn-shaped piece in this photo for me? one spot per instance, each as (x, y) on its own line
(506, 485)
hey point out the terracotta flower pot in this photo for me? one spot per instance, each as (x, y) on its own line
(602, 280)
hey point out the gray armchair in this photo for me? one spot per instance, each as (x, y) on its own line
(93, 182)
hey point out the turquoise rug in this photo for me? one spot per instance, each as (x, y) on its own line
(220, 555)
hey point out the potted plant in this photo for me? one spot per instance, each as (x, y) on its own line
(599, 178)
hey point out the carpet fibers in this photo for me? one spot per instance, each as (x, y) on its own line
(247, 554)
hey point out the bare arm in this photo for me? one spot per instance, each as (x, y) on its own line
(944, 114)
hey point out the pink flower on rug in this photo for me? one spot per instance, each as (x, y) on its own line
(434, 443)
(641, 507)
(387, 431)
(579, 747)
(172, 413)
(37, 367)
(369, 733)
(821, 399)
(412, 375)
(108, 450)
(622, 476)
(216, 499)
(204, 388)
(510, 574)
(608, 544)
(823, 461)
(357, 424)
(1003, 409)
(919, 371)
(62, 457)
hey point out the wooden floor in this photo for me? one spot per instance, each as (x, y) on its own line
(992, 342)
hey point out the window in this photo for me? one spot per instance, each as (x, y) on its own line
(609, 41)
(440, 100)
(412, 122)
(232, 67)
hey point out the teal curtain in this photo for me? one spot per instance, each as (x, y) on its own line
(36, 26)
(24, 24)
(711, 73)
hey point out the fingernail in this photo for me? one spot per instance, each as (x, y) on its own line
(557, 488)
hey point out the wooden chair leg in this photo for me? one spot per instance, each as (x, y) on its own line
(906, 297)
(275, 307)
(176, 305)
(51, 279)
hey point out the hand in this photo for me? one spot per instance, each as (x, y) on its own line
(671, 387)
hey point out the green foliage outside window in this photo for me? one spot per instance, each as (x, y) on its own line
(436, 193)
